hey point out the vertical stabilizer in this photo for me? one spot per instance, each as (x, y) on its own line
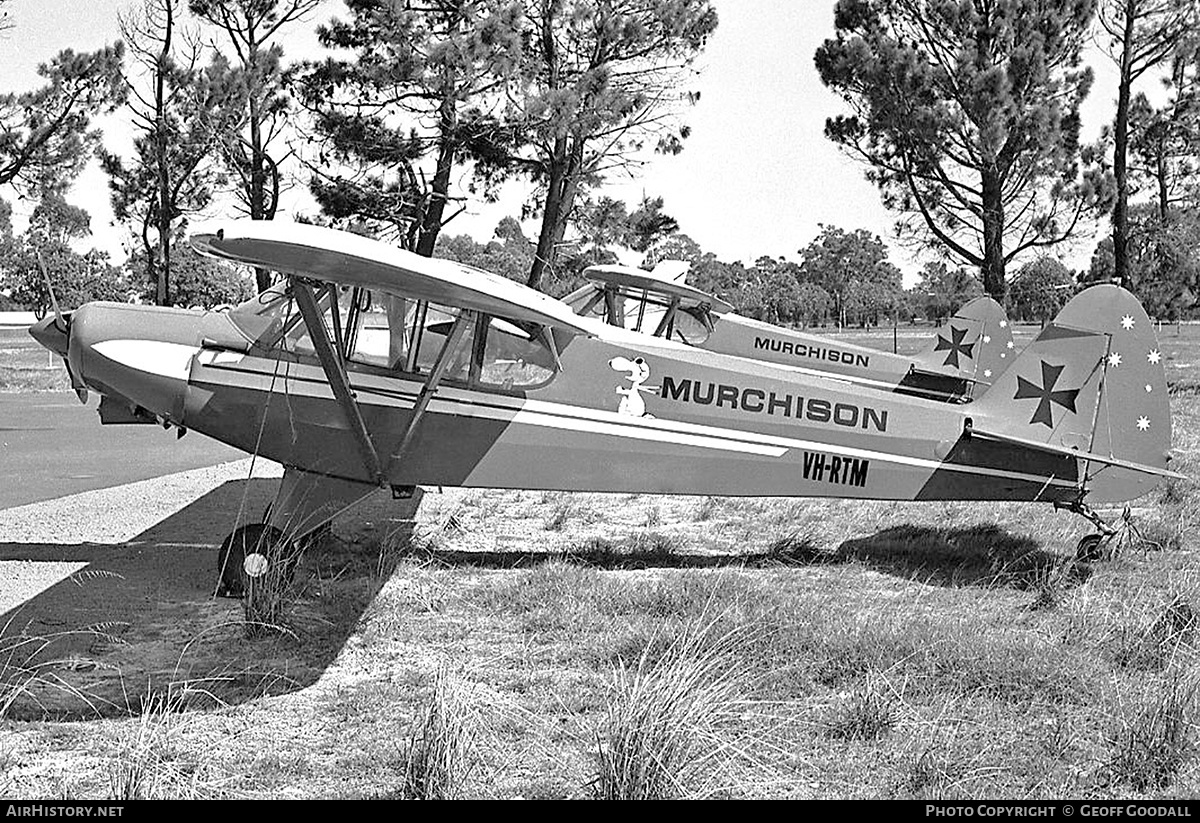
(975, 344)
(1092, 381)
(672, 271)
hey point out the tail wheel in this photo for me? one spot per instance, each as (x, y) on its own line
(247, 553)
(1090, 548)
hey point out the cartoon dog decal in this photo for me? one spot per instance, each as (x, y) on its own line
(637, 373)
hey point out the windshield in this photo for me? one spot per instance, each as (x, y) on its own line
(644, 311)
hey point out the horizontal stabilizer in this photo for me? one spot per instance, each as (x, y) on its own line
(1091, 457)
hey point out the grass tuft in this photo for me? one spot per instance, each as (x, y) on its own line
(868, 713)
(1152, 648)
(1157, 738)
(799, 549)
(558, 518)
(267, 595)
(436, 757)
(672, 726)
(149, 764)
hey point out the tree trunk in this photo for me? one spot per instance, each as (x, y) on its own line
(560, 200)
(257, 192)
(993, 236)
(1164, 198)
(1120, 215)
(164, 180)
(435, 208)
(543, 257)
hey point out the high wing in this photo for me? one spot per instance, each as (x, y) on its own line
(654, 281)
(351, 260)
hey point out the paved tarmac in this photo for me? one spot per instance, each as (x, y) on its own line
(51, 445)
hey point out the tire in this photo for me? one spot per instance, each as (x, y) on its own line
(254, 538)
(1089, 548)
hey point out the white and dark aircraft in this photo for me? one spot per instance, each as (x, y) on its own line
(368, 366)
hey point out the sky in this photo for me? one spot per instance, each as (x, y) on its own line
(756, 177)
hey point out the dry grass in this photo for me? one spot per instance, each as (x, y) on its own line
(675, 721)
(152, 761)
(437, 757)
(1156, 737)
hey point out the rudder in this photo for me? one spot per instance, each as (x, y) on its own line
(1091, 381)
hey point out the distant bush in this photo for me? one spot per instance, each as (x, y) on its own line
(77, 278)
(195, 280)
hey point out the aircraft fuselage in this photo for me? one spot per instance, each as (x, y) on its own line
(710, 423)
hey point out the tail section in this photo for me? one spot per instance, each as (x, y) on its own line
(975, 344)
(672, 271)
(1091, 383)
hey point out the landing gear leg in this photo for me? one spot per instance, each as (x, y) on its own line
(1091, 547)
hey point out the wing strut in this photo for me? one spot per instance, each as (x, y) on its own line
(464, 321)
(335, 373)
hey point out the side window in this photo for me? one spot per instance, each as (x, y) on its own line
(369, 340)
(689, 327)
(641, 311)
(428, 326)
(405, 335)
(514, 358)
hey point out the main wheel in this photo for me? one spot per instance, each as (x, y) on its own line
(246, 553)
(1090, 548)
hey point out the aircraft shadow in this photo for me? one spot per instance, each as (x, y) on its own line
(140, 619)
(984, 556)
(599, 555)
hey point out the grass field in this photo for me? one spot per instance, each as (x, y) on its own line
(529, 644)
(26, 366)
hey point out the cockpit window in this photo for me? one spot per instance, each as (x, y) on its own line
(689, 326)
(515, 357)
(645, 311)
(404, 335)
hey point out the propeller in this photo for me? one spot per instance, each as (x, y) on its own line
(61, 322)
(55, 332)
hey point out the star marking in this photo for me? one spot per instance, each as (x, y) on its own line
(955, 346)
(987, 372)
(987, 338)
(1154, 356)
(1127, 322)
(1114, 359)
(1003, 324)
(1046, 395)
(1143, 424)
(1149, 388)
(1010, 345)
